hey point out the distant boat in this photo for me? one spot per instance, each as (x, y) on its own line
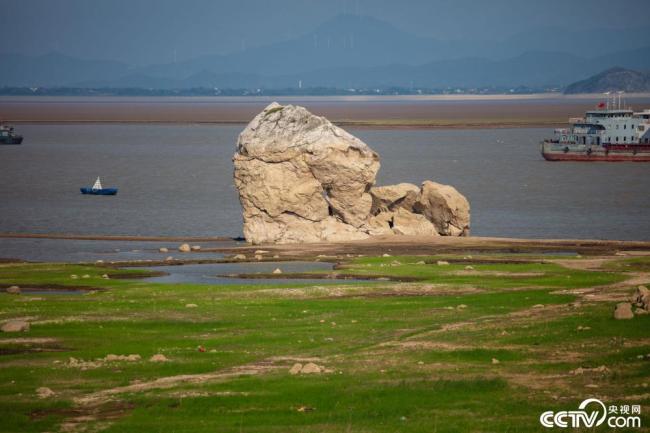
(97, 189)
(8, 136)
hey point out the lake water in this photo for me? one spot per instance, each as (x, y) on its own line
(177, 180)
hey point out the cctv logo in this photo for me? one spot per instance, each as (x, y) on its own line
(596, 416)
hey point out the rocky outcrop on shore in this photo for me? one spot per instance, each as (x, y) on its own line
(302, 179)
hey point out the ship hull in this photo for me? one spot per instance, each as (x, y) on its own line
(11, 140)
(103, 191)
(629, 153)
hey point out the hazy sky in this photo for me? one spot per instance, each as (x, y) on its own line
(151, 31)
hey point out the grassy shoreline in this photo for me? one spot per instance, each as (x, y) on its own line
(484, 343)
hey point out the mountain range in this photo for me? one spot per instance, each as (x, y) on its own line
(613, 80)
(358, 52)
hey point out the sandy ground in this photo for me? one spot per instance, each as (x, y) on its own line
(393, 245)
(465, 111)
(415, 245)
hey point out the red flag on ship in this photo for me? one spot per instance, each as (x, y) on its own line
(601, 105)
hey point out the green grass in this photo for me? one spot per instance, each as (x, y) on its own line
(400, 361)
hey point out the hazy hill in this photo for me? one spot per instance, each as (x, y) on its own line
(614, 79)
(359, 52)
(54, 69)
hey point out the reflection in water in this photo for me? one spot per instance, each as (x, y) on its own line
(213, 273)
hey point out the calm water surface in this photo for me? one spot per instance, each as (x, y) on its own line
(177, 180)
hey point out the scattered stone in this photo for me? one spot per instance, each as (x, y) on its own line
(191, 305)
(169, 259)
(582, 370)
(310, 368)
(305, 409)
(584, 328)
(239, 257)
(623, 311)
(184, 248)
(276, 256)
(386, 255)
(163, 250)
(44, 392)
(295, 369)
(538, 306)
(591, 385)
(420, 263)
(15, 326)
(74, 277)
(461, 307)
(195, 248)
(277, 271)
(495, 361)
(641, 298)
(106, 277)
(14, 290)
(159, 357)
(99, 262)
(85, 276)
(114, 358)
(261, 252)
(395, 263)
(469, 268)
(258, 257)
(442, 263)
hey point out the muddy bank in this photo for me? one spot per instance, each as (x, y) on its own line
(422, 245)
(430, 111)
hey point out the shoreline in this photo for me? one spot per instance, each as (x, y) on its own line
(394, 245)
(403, 124)
(398, 112)
(77, 237)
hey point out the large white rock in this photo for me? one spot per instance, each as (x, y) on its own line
(302, 179)
(445, 207)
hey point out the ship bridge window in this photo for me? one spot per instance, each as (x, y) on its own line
(616, 138)
(624, 126)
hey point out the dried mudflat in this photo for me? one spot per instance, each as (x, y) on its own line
(529, 328)
(470, 111)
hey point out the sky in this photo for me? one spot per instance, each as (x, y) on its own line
(141, 32)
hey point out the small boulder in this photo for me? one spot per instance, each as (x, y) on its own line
(623, 311)
(44, 392)
(163, 250)
(14, 290)
(159, 357)
(310, 368)
(184, 248)
(191, 305)
(195, 247)
(295, 369)
(239, 257)
(442, 263)
(277, 271)
(15, 326)
(495, 361)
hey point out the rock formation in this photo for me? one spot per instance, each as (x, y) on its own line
(302, 179)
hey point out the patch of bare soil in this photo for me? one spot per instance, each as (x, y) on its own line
(590, 264)
(77, 419)
(103, 396)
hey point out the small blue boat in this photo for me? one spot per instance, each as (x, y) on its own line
(98, 190)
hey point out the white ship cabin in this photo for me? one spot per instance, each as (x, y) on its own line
(606, 126)
(644, 126)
